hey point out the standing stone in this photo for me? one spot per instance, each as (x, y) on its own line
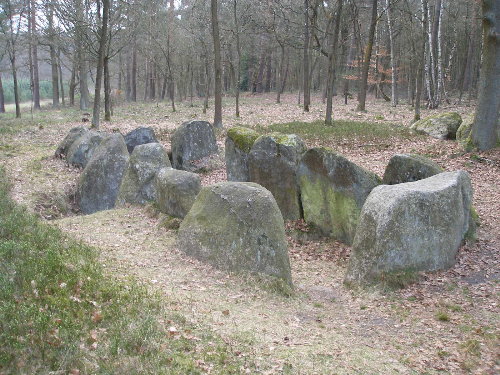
(82, 149)
(139, 136)
(239, 142)
(72, 136)
(100, 180)
(415, 226)
(333, 191)
(441, 126)
(408, 168)
(176, 191)
(272, 163)
(193, 140)
(237, 226)
(138, 186)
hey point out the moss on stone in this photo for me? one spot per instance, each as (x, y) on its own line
(285, 139)
(333, 212)
(243, 138)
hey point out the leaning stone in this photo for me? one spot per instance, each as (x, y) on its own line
(192, 141)
(239, 142)
(415, 226)
(333, 191)
(100, 180)
(83, 148)
(139, 136)
(72, 136)
(408, 168)
(176, 191)
(237, 226)
(138, 186)
(441, 126)
(272, 163)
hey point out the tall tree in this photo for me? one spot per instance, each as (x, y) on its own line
(51, 37)
(103, 36)
(217, 65)
(35, 79)
(2, 97)
(485, 128)
(306, 59)
(366, 59)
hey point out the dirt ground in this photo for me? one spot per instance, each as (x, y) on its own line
(446, 323)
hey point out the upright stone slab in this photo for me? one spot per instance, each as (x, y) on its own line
(138, 185)
(237, 226)
(441, 126)
(82, 149)
(415, 226)
(272, 163)
(408, 168)
(193, 140)
(333, 191)
(100, 180)
(176, 191)
(239, 142)
(72, 136)
(139, 136)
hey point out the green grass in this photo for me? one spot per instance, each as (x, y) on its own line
(59, 312)
(342, 130)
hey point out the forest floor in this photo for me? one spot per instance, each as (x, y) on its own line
(446, 322)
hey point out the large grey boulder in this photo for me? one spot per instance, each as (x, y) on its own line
(272, 163)
(100, 181)
(408, 168)
(82, 149)
(333, 191)
(193, 140)
(138, 185)
(237, 226)
(441, 126)
(176, 191)
(72, 136)
(239, 142)
(415, 226)
(139, 136)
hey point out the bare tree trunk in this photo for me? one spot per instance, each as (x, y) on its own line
(421, 63)
(16, 86)
(366, 62)
(61, 79)
(107, 91)
(100, 64)
(440, 79)
(34, 55)
(72, 85)
(281, 74)
(217, 65)
(306, 58)
(238, 62)
(394, 92)
(133, 77)
(331, 65)
(2, 97)
(487, 121)
(53, 57)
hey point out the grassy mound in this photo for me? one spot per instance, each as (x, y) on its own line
(59, 313)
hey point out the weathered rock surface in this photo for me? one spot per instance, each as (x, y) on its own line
(408, 168)
(176, 191)
(272, 163)
(333, 191)
(100, 180)
(239, 142)
(82, 149)
(416, 226)
(72, 136)
(237, 226)
(138, 185)
(193, 140)
(139, 136)
(441, 126)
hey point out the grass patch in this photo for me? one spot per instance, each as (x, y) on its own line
(442, 316)
(398, 280)
(341, 130)
(60, 313)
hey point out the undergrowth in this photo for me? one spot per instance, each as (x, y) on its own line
(59, 313)
(342, 130)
